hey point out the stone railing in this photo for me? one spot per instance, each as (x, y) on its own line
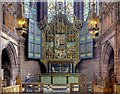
(11, 89)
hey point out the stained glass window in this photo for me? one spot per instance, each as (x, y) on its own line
(63, 6)
(85, 38)
(34, 34)
(26, 7)
(86, 43)
(97, 6)
(86, 9)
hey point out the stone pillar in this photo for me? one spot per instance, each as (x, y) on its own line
(20, 51)
(116, 47)
(116, 56)
(21, 54)
(0, 47)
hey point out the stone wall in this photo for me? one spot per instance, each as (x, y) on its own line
(89, 67)
(27, 66)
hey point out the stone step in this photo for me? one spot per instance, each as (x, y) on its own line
(89, 86)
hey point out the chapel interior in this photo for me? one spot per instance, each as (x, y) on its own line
(60, 46)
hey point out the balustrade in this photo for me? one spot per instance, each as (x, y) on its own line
(33, 87)
(11, 89)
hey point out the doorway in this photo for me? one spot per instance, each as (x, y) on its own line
(6, 66)
(111, 64)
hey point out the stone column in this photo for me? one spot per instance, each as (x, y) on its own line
(0, 46)
(20, 51)
(116, 70)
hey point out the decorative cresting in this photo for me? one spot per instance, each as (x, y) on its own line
(60, 43)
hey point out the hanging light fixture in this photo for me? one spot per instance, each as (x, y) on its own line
(93, 22)
(21, 25)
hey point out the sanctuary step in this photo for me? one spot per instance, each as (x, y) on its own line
(60, 88)
(56, 89)
(89, 86)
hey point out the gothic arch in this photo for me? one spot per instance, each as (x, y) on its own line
(107, 57)
(78, 67)
(107, 48)
(11, 51)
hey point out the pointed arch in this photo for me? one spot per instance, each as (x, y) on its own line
(12, 55)
(107, 48)
(107, 57)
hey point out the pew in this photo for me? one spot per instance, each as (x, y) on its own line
(117, 88)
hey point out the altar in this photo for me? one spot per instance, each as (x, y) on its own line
(63, 78)
(64, 81)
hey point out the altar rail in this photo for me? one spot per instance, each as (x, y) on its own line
(32, 87)
(11, 89)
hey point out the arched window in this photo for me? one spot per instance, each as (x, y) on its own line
(64, 6)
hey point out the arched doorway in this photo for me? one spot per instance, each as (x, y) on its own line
(107, 60)
(111, 64)
(9, 63)
(6, 66)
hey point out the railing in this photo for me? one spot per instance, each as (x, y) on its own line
(11, 89)
(32, 87)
